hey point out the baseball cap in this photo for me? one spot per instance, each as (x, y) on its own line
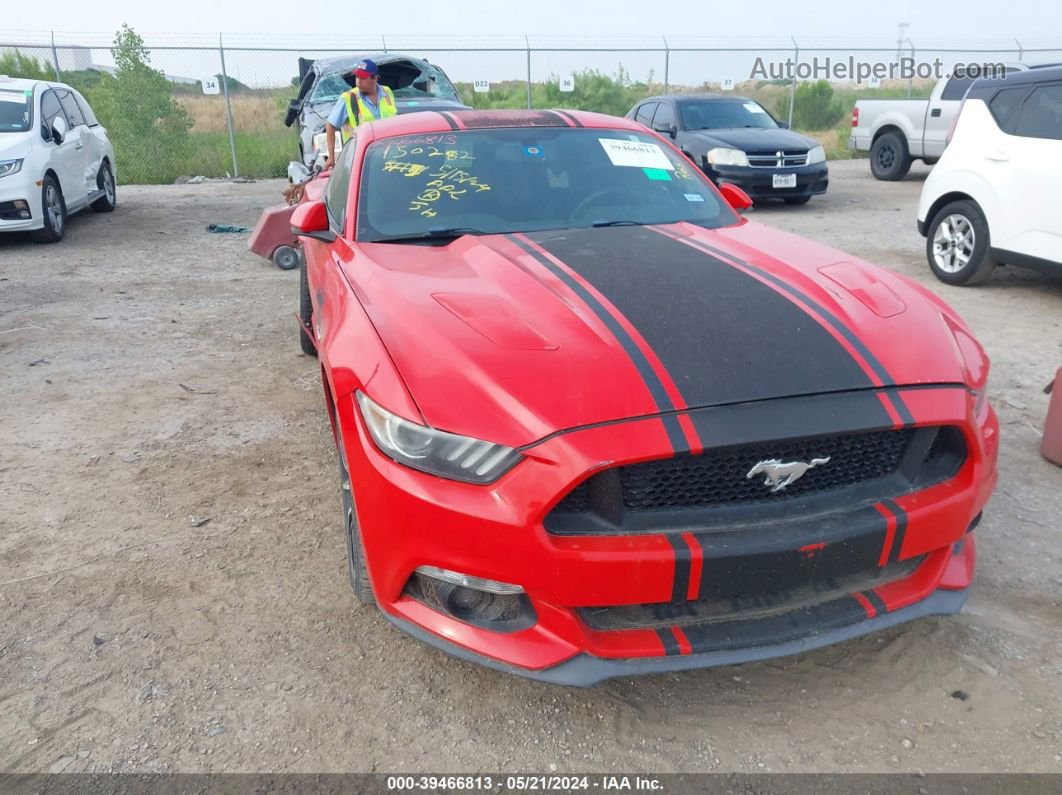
(366, 68)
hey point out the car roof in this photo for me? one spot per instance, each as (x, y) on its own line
(461, 120)
(699, 97)
(342, 64)
(1038, 74)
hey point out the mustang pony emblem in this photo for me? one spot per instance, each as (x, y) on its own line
(780, 474)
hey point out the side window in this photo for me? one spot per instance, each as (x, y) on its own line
(339, 185)
(664, 118)
(956, 88)
(1004, 106)
(50, 108)
(645, 113)
(86, 111)
(73, 112)
(1041, 115)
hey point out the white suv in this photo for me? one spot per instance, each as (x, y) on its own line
(55, 158)
(993, 197)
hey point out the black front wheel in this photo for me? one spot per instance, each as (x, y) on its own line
(356, 568)
(53, 211)
(306, 343)
(958, 243)
(890, 159)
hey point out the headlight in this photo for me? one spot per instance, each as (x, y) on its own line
(721, 156)
(817, 154)
(436, 452)
(10, 167)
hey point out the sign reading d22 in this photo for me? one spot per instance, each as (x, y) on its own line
(481, 86)
(211, 85)
(567, 84)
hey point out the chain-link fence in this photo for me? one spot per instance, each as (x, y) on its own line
(227, 95)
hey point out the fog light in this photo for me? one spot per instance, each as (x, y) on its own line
(466, 603)
(484, 603)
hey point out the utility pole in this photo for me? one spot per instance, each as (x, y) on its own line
(901, 34)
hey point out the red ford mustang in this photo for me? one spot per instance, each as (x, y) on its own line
(592, 422)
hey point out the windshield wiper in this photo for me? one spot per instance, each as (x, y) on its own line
(620, 222)
(441, 233)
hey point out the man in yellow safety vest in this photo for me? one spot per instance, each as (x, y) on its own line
(369, 101)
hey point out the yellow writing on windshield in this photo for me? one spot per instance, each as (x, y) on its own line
(409, 169)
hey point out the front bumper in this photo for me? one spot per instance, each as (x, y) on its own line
(19, 189)
(757, 182)
(409, 519)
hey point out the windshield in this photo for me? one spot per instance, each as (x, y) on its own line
(431, 82)
(404, 78)
(526, 179)
(16, 110)
(724, 113)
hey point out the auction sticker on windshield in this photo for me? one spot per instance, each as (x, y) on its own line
(638, 154)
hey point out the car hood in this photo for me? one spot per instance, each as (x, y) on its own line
(511, 338)
(15, 145)
(750, 139)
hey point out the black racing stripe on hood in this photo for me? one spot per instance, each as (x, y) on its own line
(722, 335)
(449, 120)
(879, 369)
(641, 363)
(574, 121)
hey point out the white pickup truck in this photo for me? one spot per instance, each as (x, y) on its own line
(898, 131)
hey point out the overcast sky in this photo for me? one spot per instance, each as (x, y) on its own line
(972, 19)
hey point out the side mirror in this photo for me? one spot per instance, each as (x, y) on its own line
(669, 131)
(59, 129)
(735, 196)
(292, 113)
(784, 125)
(310, 219)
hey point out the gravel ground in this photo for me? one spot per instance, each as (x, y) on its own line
(173, 593)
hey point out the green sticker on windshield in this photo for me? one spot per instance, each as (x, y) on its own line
(658, 174)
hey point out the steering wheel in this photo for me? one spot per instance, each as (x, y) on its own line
(626, 193)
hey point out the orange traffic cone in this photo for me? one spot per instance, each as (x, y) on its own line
(1051, 448)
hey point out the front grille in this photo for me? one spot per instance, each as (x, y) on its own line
(777, 159)
(870, 465)
(757, 603)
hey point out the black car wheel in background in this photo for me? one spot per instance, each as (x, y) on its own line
(735, 140)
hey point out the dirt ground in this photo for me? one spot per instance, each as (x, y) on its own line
(173, 593)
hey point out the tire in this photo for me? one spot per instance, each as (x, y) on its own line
(798, 200)
(286, 258)
(356, 568)
(305, 311)
(53, 208)
(105, 182)
(959, 231)
(890, 159)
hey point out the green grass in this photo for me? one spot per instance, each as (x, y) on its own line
(260, 155)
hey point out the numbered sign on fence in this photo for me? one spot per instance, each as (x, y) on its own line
(211, 85)
(567, 84)
(728, 84)
(874, 82)
(481, 86)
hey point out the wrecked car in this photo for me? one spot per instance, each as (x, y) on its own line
(417, 85)
(592, 422)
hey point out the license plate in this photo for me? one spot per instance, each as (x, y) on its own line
(783, 180)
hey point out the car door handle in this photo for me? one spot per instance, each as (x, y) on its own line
(998, 155)
(79, 146)
(935, 112)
